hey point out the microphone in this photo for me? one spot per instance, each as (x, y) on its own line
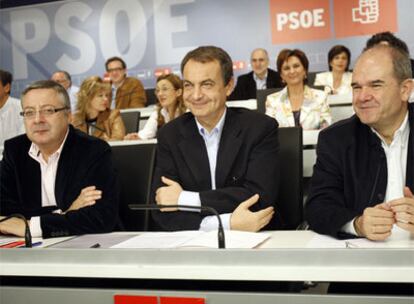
(220, 236)
(27, 234)
(89, 124)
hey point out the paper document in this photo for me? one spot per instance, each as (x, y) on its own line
(233, 239)
(324, 241)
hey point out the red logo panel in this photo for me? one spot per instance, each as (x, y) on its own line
(364, 17)
(298, 20)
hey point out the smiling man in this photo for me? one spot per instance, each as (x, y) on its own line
(215, 156)
(59, 178)
(261, 77)
(363, 180)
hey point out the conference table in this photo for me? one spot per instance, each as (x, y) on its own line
(200, 275)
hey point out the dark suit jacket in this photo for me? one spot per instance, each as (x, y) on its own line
(246, 85)
(247, 163)
(85, 161)
(350, 161)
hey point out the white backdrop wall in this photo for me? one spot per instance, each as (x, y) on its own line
(153, 35)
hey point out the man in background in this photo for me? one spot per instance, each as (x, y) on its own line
(65, 80)
(127, 92)
(262, 77)
(11, 123)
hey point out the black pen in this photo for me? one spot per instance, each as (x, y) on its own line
(97, 245)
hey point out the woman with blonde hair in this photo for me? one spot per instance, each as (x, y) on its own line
(297, 104)
(93, 115)
(170, 105)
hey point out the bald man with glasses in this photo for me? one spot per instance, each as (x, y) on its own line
(60, 179)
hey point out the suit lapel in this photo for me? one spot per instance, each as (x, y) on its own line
(229, 147)
(64, 170)
(410, 156)
(194, 152)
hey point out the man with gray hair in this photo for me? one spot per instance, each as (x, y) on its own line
(63, 78)
(261, 77)
(59, 178)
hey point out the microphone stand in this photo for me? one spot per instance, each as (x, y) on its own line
(27, 234)
(220, 236)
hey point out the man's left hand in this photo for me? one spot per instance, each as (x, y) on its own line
(14, 226)
(169, 194)
(403, 209)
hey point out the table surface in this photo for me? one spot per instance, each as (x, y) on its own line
(284, 257)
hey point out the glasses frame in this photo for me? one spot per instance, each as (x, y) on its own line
(43, 112)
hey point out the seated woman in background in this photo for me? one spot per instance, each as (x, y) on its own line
(170, 105)
(93, 115)
(338, 80)
(297, 104)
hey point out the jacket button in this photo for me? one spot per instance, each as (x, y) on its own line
(380, 197)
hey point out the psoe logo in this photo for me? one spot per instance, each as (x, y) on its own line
(364, 17)
(298, 20)
(366, 12)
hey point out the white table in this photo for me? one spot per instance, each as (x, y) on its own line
(282, 258)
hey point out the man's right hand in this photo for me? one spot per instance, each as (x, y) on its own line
(87, 197)
(375, 223)
(245, 220)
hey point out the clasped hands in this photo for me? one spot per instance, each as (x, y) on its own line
(376, 222)
(241, 219)
(87, 197)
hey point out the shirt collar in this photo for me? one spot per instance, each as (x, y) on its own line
(216, 130)
(34, 150)
(402, 132)
(258, 79)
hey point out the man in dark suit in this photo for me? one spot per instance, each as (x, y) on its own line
(215, 156)
(59, 178)
(259, 79)
(364, 174)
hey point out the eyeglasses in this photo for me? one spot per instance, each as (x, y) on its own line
(115, 70)
(44, 111)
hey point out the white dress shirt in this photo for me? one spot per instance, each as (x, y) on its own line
(48, 177)
(212, 141)
(73, 96)
(11, 123)
(151, 126)
(396, 155)
(260, 83)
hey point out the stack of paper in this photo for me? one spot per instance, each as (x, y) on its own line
(234, 239)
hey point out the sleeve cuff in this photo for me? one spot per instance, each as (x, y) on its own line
(349, 227)
(189, 198)
(211, 223)
(35, 229)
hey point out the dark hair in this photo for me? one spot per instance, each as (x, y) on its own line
(285, 54)
(179, 107)
(51, 85)
(336, 50)
(6, 77)
(115, 58)
(206, 54)
(388, 37)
